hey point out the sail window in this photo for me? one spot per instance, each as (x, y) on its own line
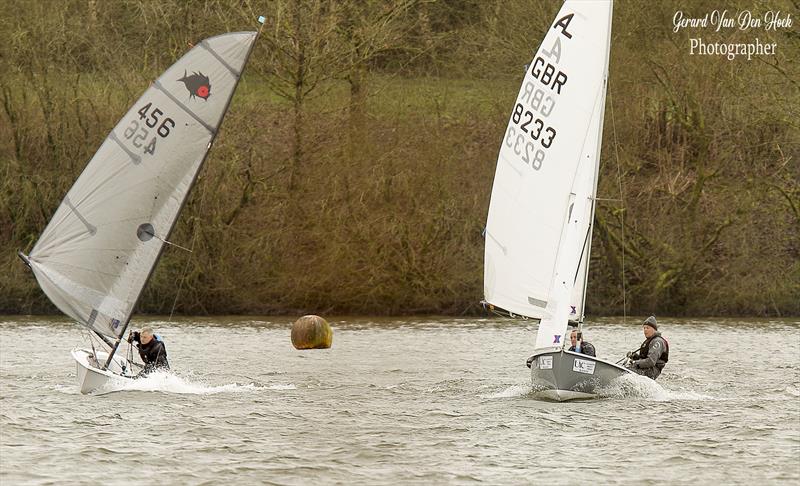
(145, 232)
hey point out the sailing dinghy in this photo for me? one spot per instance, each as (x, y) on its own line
(104, 240)
(539, 227)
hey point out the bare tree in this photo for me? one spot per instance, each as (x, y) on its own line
(300, 53)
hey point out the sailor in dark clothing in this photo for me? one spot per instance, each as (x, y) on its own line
(579, 345)
(151, 350)
(653, 354)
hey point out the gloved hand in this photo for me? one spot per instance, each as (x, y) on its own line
(629, 355)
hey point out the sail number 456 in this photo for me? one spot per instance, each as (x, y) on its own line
(137, 132)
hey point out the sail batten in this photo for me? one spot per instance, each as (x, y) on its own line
(543, 193)
(219, 58)
(185, 108)
(99, 249)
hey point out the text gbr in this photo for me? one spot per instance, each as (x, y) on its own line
(539, 103)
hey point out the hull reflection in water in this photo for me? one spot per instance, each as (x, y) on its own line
(566, 375)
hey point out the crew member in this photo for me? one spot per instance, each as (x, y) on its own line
(151, 350)
(579, 345)
(653, 354)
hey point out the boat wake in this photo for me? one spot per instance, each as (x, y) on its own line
(167, 382)
(626, 387)
(512, 391)
(636, 386)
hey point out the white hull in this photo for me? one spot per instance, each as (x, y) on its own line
(91, 378)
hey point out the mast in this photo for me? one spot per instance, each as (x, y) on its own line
(596, 170)
(186, 195)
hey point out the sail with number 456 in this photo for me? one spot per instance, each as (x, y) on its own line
(99, 249)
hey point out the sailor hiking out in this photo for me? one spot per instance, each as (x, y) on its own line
(653, 354)
(151, 350)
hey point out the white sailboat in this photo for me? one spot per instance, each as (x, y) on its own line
(104, 240)
(539, 227)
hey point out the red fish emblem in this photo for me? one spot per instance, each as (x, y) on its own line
(198, 85)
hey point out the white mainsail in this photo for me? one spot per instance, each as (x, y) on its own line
(539, 225)
(100, 247)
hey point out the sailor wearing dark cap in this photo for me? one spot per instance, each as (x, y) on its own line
(653, 354)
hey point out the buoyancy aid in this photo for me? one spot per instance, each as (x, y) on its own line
(644, 350)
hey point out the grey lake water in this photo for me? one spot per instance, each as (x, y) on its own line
(410, 400)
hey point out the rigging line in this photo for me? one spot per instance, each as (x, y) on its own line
(170, 243)
(183, 278)
(94, 351)
(205, 157)
(622, 214)
(163, 240)
(131, 362)
(200, 204)
(94, 354)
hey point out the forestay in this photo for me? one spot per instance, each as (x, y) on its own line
(546, 175)
(99, 249)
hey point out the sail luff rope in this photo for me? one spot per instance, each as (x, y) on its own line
(622, 199)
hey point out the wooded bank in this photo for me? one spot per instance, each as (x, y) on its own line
(353, 171)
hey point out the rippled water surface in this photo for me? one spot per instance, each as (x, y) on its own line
(425, 401)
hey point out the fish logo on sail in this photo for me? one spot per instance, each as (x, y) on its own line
(198, 85)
